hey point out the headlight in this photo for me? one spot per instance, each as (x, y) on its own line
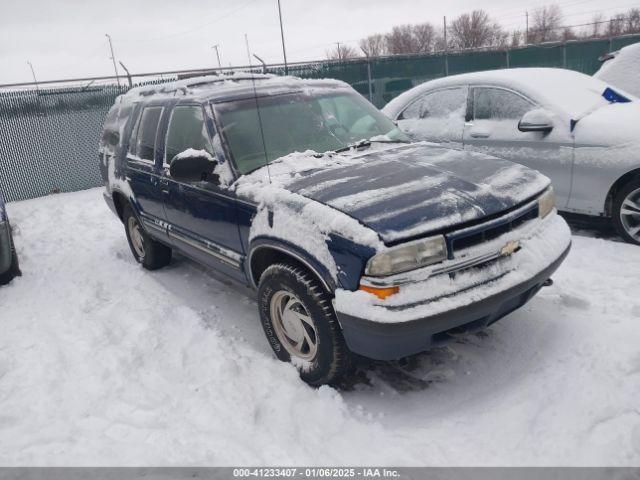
(546, 202)
(408, 257)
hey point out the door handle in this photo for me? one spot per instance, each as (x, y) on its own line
(164, 185)
(480, 135)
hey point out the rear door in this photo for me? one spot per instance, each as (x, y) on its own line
(142, 171)
(492, 128)
(202, 216)
(436, 116)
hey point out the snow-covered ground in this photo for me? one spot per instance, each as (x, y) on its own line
(103, 363)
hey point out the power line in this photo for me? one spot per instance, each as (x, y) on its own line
(198, 27)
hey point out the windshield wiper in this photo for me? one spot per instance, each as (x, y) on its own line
(358, 144)
(367, 143)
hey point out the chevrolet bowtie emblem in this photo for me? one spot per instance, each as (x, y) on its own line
(510, 248)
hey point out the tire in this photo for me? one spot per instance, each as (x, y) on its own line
(626, 212)
(286, 294)
(150, 253)
(14, 269)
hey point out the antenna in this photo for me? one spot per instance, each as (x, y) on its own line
(255, 98)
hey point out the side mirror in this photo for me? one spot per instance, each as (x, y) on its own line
(537, 120)
(192, 166)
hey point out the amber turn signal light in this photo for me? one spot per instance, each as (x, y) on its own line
(380, 292)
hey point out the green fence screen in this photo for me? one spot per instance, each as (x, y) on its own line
(49, 137)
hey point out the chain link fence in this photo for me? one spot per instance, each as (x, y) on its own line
(49, 136)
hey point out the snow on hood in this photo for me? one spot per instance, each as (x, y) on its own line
(623, 71)
(398, 192)
(614, 124)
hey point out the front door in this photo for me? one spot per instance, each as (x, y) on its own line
(492, 128)
(202, 216)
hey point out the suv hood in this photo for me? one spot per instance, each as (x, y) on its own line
(414, 190)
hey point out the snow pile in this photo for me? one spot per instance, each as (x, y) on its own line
(623, 71)
(103, 363)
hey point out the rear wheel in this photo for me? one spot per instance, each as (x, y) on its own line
(626, 212)
(301, 326)
(150, 253)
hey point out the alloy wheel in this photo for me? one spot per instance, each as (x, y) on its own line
(630, 214)
(135, 233)
(293, 325)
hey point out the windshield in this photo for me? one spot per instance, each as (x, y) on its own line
(322, 121)
(575, 93)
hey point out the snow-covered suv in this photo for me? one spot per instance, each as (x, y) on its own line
(355, 239)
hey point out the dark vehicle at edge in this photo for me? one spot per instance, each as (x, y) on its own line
(9, 267)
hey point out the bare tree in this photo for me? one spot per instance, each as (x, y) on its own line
(547, 24)
(401, 40)
(616, 25)
(475, 29)
(568, 34)
(425, 37)
(341, 52)
(374, 45)
(516, 38)
(598, 25)
(633, 21)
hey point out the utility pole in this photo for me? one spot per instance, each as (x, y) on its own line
(217, 54)
(284, 50)
(526, 35)
(35, 80)
(446, 48)
(246, 42)
(113, 58)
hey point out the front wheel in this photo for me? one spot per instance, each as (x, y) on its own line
(150, 253)
(626, 212)
(301, 326)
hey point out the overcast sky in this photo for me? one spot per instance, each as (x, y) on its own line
(66, 38)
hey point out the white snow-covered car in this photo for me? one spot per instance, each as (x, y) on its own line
(577, 130)
(622, 69)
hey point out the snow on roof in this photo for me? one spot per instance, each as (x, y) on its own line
(556, 88)
(227, 83)
(623, 70)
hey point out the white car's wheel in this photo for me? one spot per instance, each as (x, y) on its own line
(626, 212)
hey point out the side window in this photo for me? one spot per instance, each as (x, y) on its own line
(495, 103)
(187, 129)
(438, 104)
(143, 137)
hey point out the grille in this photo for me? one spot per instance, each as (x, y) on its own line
(478, 234)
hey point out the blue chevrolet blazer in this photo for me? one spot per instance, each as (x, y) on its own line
(355, 240)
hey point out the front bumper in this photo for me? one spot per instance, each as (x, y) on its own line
(385, 330)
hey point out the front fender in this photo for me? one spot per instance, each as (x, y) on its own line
(288, 248)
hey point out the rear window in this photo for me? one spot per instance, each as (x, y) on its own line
(143, 137)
